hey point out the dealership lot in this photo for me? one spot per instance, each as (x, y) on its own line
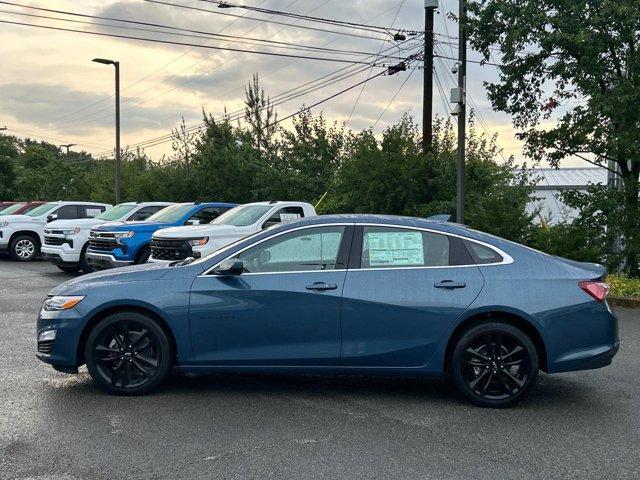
(52, 425)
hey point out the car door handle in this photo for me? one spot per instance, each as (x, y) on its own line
(321, 286)
(450, 285)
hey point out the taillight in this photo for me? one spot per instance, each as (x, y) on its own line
(598, 290)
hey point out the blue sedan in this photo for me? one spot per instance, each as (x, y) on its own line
(340, 294)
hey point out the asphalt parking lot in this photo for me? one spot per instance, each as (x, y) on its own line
(57, 426)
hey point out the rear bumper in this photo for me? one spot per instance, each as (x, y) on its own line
(102, 261)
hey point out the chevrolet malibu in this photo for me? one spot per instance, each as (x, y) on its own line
(358, 294)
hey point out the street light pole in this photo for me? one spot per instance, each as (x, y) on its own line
(68, 146)
(116, 64)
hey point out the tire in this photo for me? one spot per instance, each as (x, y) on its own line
(143, 255)
(131, 367)
(67, 269)
(494, 364)
(84, 265)
(24, 248)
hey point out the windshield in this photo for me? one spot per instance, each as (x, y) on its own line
(171, 214)
(42, 209)
(115, 213)
(11, 209)
(242, 216)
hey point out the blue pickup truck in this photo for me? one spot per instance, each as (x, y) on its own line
(118, 244)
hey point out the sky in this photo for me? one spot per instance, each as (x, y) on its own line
(50, 89)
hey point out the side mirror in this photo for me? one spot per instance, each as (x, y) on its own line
(51, 218)
(230, 266)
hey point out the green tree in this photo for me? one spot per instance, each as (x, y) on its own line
(575, 62)
(8, 154)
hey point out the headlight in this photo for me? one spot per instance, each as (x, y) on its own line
(60, 302)
(119, 235)
(71, 231)
(197, 242)
(4, 224)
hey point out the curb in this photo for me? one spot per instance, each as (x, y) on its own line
(624, 302)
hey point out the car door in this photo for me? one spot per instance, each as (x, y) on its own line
(284, 309)
(404, 289)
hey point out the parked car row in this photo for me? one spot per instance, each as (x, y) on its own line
(84, 236)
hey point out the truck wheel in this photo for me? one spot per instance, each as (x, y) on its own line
(143, 255)
(24, 248)
(84, 265)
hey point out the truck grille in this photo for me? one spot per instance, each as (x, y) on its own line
(57, 241)
(104, 242)
(165, 249)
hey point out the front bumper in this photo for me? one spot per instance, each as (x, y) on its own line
(103, 261)
(163, 262)
(61, 352)
(60, 255)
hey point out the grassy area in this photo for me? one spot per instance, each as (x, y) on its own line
(623, 287)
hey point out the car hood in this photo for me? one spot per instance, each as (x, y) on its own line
(20, 219)
(81, 222)
(197, 231)
(134, 273)
(139, 226)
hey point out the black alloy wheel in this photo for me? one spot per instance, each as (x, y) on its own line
(128, 353)
(494, 364)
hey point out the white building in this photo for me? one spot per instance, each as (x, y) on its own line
(550, 182)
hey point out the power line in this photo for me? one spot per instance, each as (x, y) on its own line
(170, 42)
(183, 32)
(394, 97)
(360, 26)
(355, 104)
(246, 17)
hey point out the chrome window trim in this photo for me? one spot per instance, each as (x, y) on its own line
(506, 258)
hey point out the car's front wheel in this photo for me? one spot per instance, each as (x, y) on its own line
(24, 248)
(128, 353)
(494, 364)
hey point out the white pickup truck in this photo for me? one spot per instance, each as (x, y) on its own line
(179, 243)
(66, 241)
(23, 235)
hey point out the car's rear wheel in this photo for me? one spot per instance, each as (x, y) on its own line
(24, 248)
(494, 364)
(128, 353)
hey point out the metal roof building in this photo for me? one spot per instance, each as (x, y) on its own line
(550, 182)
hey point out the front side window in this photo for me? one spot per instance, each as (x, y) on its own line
(67, 212)
(42, 209)
(145, 212)
(242, 216)
(286, 214)
(387, 247)
(206, 215)
(310, 249)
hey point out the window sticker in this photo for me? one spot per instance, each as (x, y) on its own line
(289, 217)
(395, 248)
(92, 212)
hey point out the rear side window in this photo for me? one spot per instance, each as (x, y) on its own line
(386, 247)
(482, 254)
(90, 211)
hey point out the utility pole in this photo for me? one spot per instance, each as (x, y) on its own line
(462, 112)
(116, 64)
(68, 146)
(430, 7)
